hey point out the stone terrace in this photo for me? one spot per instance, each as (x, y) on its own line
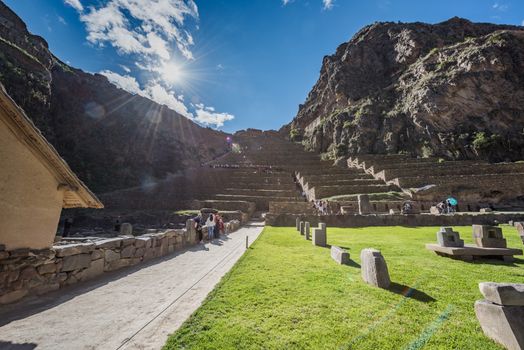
(470, 181)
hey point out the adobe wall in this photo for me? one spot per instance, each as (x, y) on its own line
(394, 220)
(26, 272)
(30, 203)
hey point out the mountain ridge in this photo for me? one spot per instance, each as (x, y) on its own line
(112, 139)
(421, 89)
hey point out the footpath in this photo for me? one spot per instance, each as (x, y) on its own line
(133, 309)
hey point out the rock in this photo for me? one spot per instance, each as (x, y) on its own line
(378, 93)
(22, 252)
(46, 288)
(4, 255)
(394, 211)
(319, 237)
(434, 210)
(139, 252)
(340, 255)
(446, 237)
(2, 247)
(47, 268)
(97, 254)
(13, 296)
(111, 243)
(488, 236)
(118, 264)
(503, 324)
(143, 242)
(374, 268)
(128, 252)
(509, 294)
(73, 249)
(364, 205)
(75, 262)
(485, 210)
(28, 273)
(306, 230)
(127, 240)
(96, 268)
(111, 255)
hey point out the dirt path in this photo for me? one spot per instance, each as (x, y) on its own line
(132, 309)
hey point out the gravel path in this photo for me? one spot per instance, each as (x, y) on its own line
(132, 309)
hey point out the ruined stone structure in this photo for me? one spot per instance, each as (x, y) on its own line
(36, 183)
(474, 183)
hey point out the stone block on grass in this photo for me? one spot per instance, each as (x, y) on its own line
(374, 268)
(503, 324)
(340, 255)
(509, 294)
(488, 236)
(446, 237)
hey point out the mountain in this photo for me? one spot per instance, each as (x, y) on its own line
(453, 89)
(110, 138)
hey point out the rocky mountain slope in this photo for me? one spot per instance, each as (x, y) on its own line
(110, 138)
(453, 89)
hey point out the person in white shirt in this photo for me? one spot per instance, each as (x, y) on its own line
(210, 224)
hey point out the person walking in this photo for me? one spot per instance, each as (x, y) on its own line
(210, 224)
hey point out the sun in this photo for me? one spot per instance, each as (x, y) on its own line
(172, 73)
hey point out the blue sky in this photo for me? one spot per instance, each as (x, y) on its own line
(231, 64)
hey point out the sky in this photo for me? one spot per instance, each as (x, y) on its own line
(227, 64)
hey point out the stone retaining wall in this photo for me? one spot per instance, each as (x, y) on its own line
(26, 272)
(291, 208)
(394, 220)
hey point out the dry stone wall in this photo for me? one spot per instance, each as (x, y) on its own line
(26, 272)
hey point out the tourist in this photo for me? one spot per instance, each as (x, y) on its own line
(210, 224)
(221, 226)
(198, 227)
(216, 229)
(441, 207)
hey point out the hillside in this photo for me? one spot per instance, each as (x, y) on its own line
(110, 138)
(453, 90)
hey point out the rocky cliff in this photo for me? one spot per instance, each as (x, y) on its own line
(110, 138)
(453, 89)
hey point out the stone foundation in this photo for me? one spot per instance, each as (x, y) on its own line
(395, 220)
(26, 272)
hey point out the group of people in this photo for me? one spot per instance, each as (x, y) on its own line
(214, 225)
(446, 207)
(326, 207)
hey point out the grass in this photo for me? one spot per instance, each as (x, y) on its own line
(285, 293)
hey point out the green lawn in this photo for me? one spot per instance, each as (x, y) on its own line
(285, 293)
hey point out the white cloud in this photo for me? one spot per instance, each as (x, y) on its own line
(125, 82)
(125, 68)
(500, 7)
(62, 20)
(208, 116)
(155, 91)
(161, 95)
(145, 27)
(327, 4)
(76, 4)
(285, 2)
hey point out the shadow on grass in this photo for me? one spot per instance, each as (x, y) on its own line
(410, 292)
